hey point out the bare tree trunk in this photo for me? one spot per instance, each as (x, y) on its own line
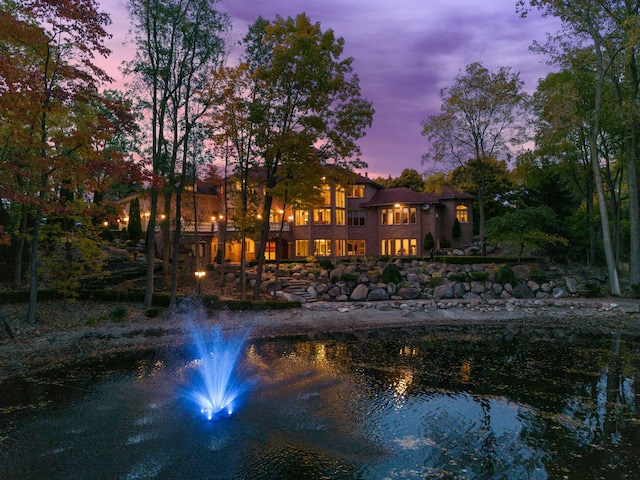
(166, 235)
(150, 250)
(634, 210)
(22, 232)
(33, 269)
(177, 233)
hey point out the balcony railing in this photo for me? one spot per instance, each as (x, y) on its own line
(273, 227)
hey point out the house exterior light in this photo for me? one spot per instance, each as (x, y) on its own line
(199, 276)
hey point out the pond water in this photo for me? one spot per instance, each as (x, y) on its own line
(464, 403)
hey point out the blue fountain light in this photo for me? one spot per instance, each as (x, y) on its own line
(216, 383)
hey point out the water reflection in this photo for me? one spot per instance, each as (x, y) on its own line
(466, 403)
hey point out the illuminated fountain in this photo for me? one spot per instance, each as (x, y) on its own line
(215, 382)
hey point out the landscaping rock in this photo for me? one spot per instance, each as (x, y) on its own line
(377, 294)
(359, 293)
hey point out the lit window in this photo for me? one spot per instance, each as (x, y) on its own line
(302, 248)
(356, 247)
(356, 191)
(322, 247)
(341, 248)
(302, 217)
(340, 216)
(341, 197)
(326, 195)
(462, 214)
(322, 216)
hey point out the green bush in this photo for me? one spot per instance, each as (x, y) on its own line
(435, 281)
(592, 289)
(429, 242)
(326, 263)
(635, 288)
(506, 275)
(479, 276)
(119, 314)
(350, 277)
(152, 312)
(538, 275)
(458, 277)
(391, 273)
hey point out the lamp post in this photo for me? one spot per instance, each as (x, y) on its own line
(199, 276)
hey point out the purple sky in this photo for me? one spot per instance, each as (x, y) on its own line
(405, 51)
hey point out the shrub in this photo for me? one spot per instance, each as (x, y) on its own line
(119, 314)
(506, 275)
(311, 259)
(350, 277)
(592, 289)
(152, 312)
(458, 277)
(479, 276)
(538, 275)
(635, 288)
(391, 273)
(435, 280)
(326, 263)
(429, 242)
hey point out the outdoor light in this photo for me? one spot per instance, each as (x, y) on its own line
(163, 216)
(126, 219)
(397, 205)
(220, 216)
(105, 223)
(199, 276)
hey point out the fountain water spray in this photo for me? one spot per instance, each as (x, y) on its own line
(217, 384)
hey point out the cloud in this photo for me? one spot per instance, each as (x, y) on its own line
(405, 52)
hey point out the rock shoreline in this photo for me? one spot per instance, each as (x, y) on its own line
(63, 337)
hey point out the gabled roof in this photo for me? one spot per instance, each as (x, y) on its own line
(391, 196)
(448, 193)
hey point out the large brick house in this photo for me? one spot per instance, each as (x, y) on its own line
(363, 219)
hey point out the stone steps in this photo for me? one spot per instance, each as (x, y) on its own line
(299, 287)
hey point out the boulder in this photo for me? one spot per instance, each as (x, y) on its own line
(292, 297)
(409, 293)
(377, 294)
(572, 285)
(522, 290)
(359, 293)
(522, 272)
(559, 292)
(443, 291)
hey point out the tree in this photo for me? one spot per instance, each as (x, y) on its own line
(483, 116)
(492, 176)
(49, 82)
(532, 226)
(179, 43)
(409, 178)
(298, 96)
(588, 21)
(135, 222)
(429, 242)
(456, 231)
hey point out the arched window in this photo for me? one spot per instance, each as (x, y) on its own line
(462, 214)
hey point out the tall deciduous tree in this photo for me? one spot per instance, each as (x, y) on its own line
(587, 22)
(483, 116)
(298, 95)
(48, 77)
(179, 42)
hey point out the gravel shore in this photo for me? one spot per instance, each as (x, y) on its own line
(66, 334)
